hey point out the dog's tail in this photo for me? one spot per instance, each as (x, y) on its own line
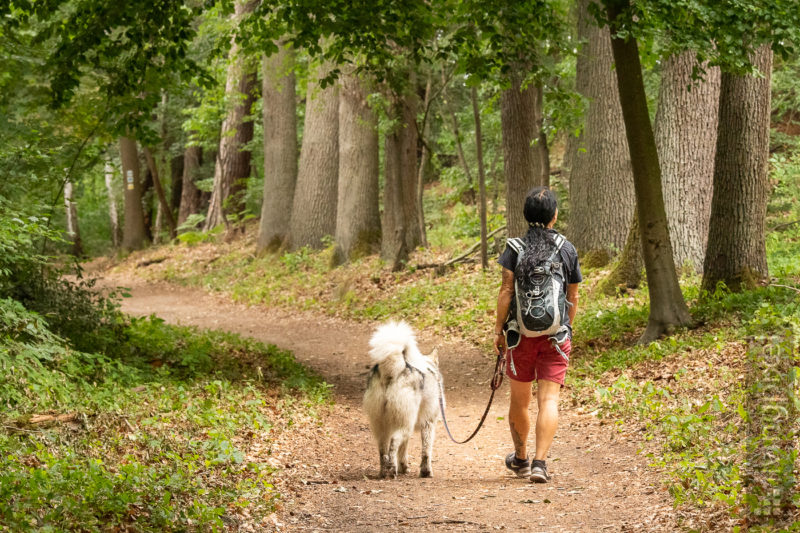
(392, 341)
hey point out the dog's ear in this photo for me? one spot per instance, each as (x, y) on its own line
(435, 355)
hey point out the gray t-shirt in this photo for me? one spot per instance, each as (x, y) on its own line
(569, 261)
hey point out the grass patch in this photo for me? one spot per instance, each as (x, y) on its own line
(171, 431)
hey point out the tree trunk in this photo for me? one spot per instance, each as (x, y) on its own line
(424, 162)
(476, 112)
(686, 136)
(233, 164)
(190, 194)
(400, 225)
(280, 148)
(133, 232)
(667, 307)
(358, 219)
(525, 156)
(164, 210)
(736, 253)
(314, 207)
(147, 199)
(73, 231)
(409, 165)
(176, 183)
(601, 187)
(116, 234)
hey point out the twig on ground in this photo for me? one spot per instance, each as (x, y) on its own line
(22, 430)
(461, 258)
(795, 289)
(781, 227)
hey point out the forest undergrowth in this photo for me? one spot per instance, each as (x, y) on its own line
(692, 396)
(109, 421)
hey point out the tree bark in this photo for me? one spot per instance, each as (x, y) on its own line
(667, 307)
(176, 183)
(525, 156)
(358, 219)
(601, 188)
(233, 163)
(73, 230)
(165, 211)
(280, 148)
(133, 232)
(686, 137)
(476, 112)
(190, 194)
(736, 253)
(424, 162)
(314, 207)
(113, 216)
(400, 225)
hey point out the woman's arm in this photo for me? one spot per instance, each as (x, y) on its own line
(572, 298)
(503, 303)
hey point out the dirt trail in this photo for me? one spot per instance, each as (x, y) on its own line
(599, 482)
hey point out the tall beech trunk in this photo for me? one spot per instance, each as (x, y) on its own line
(400, 225)
(686, 137)
(667, 307)
(314, 206)
(736, 251)
(481, 178)
(133, 231)
(233, 163)
(358, 219)
(525, 155)
(280, 148)
(190, 194)
(601, 187)
(113, 216)
(73, 230)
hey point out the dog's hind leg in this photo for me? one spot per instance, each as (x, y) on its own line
(427, 433)
(402, 455)
(386, 458)
(389, 468)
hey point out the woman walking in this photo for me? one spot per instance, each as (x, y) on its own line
(531, 356)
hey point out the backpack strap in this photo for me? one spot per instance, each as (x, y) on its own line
(560, 240)
(518, 245)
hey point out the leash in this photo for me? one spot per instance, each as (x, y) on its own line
(497, 380)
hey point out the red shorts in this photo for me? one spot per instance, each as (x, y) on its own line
(536, 358)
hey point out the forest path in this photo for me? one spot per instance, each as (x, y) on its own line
(329, 479)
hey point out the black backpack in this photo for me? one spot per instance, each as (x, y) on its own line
(540, 303)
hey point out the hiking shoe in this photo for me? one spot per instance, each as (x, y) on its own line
(539, 472)
(521, 467)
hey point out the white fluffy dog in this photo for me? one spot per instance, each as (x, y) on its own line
(402, 395)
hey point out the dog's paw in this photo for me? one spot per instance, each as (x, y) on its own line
(389, 472)
(425, 472)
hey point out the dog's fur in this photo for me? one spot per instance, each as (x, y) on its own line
(402, 395)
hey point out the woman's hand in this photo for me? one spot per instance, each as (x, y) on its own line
(499, 344)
